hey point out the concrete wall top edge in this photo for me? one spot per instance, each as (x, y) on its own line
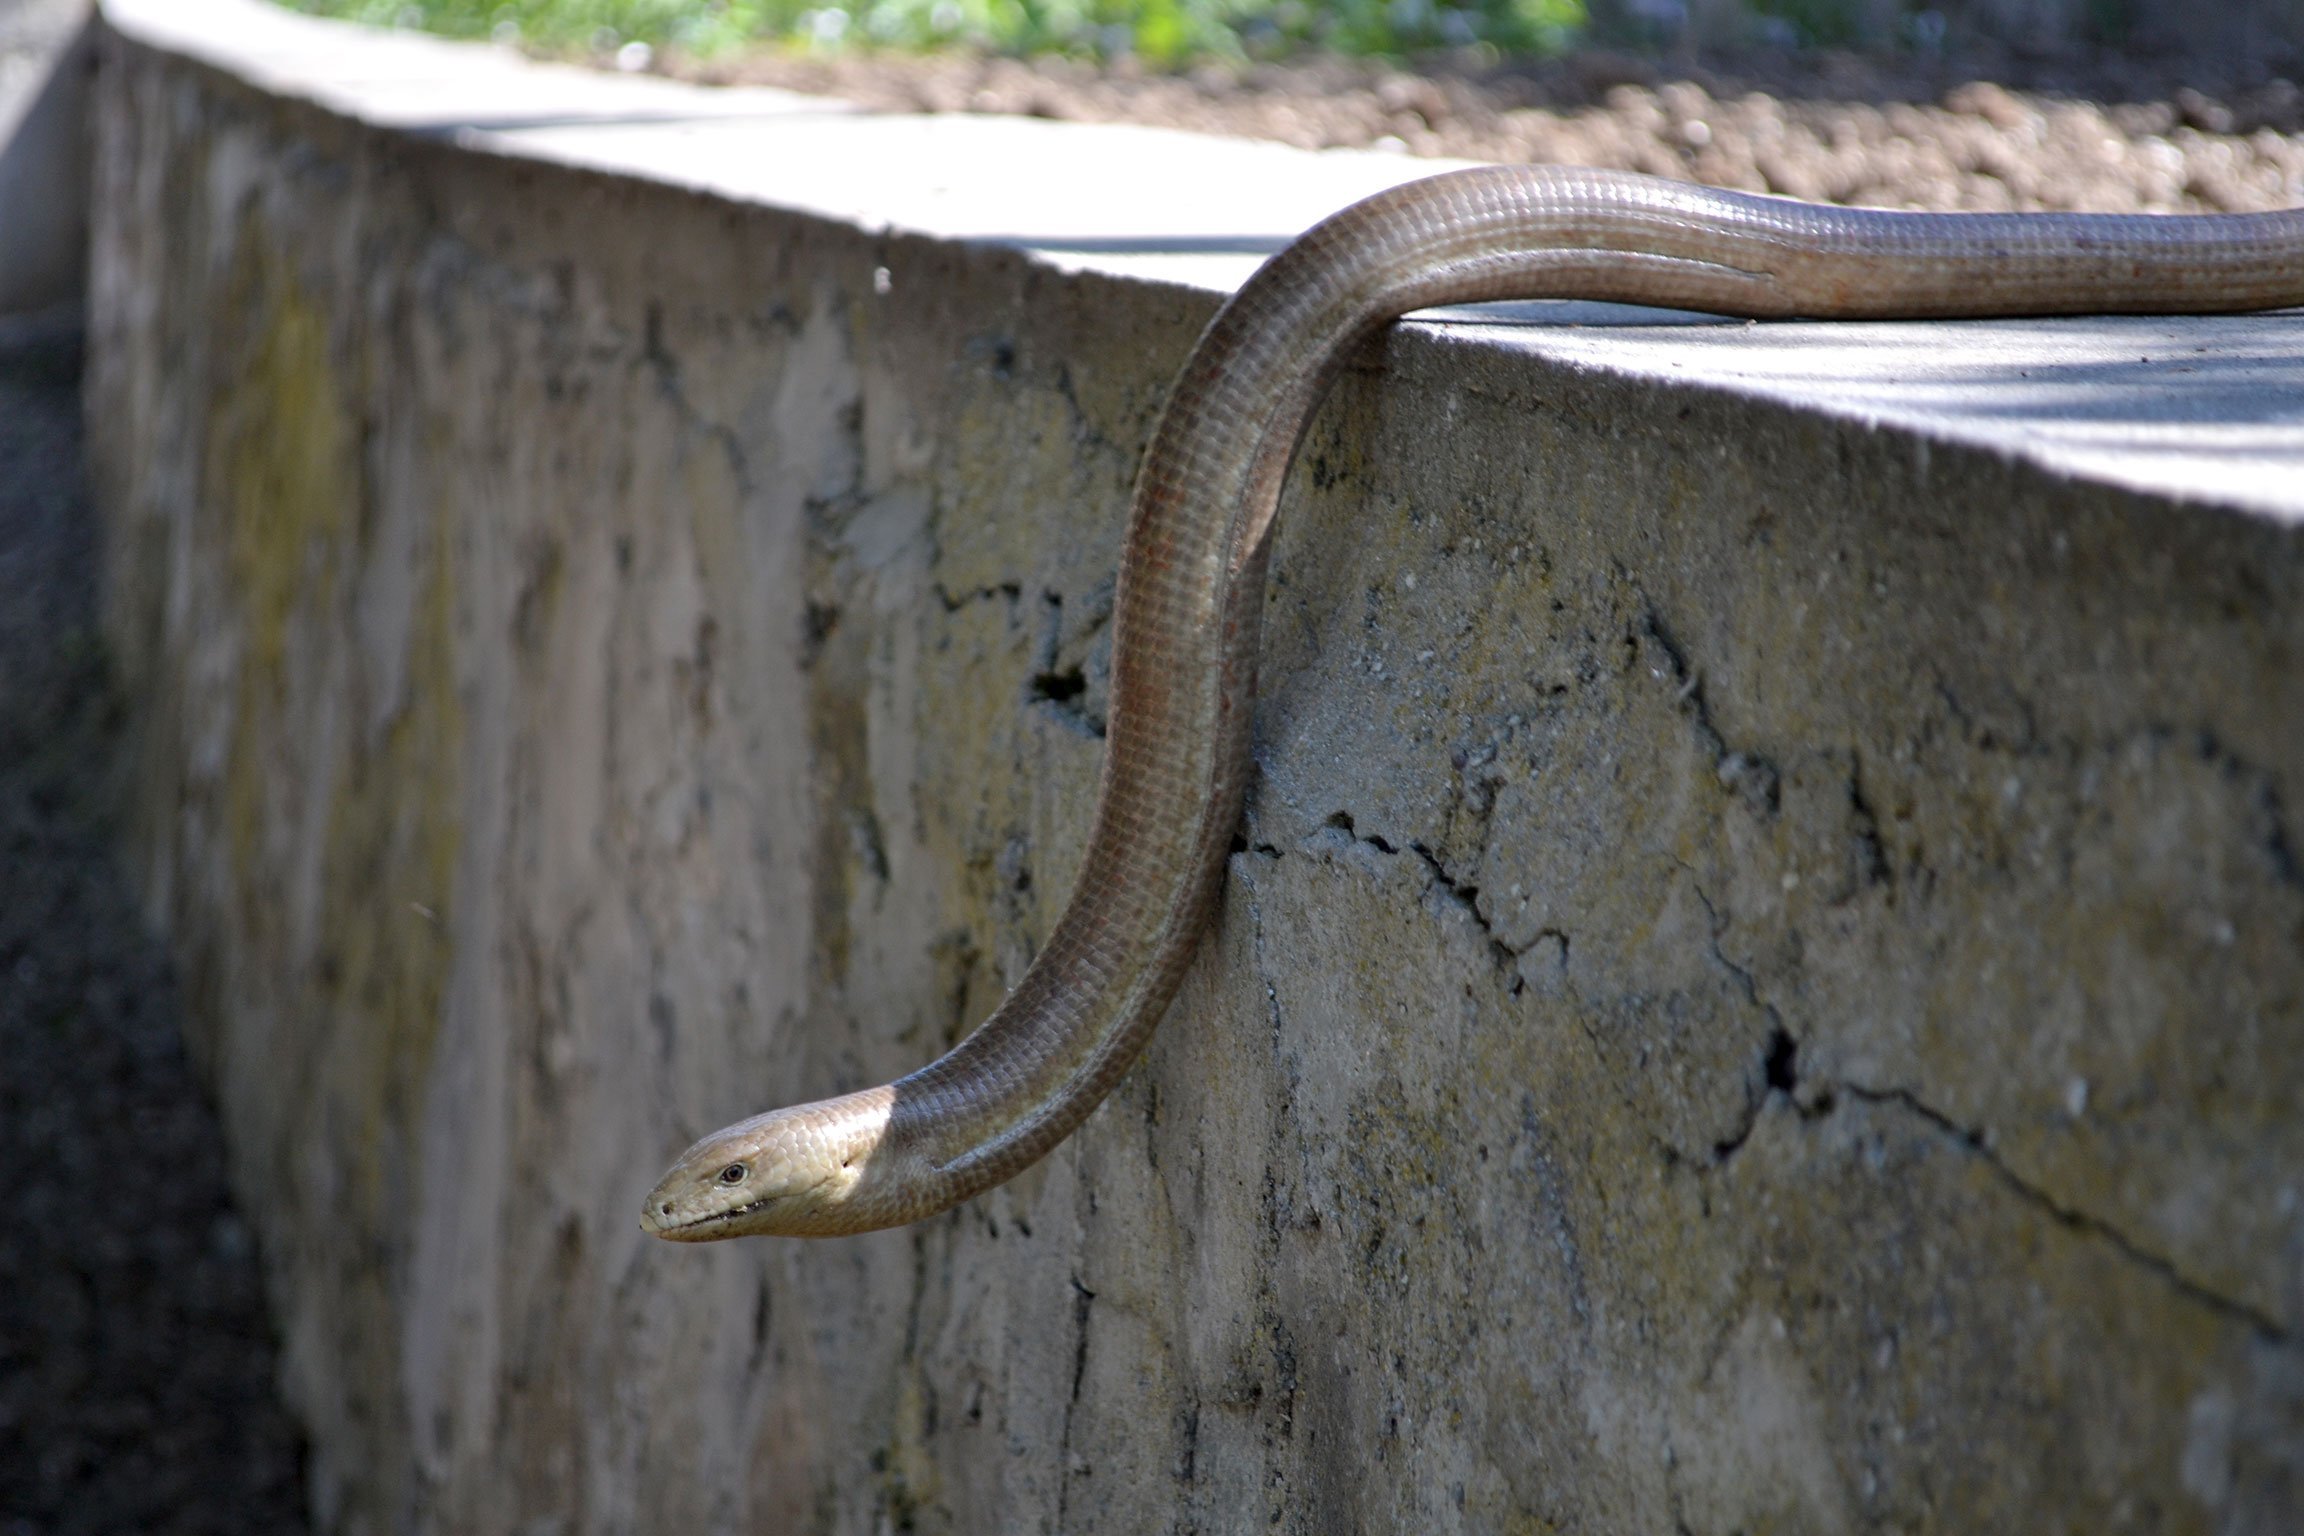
(1762, 986)
(2205, 410)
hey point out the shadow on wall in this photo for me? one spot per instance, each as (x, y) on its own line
(44, 161)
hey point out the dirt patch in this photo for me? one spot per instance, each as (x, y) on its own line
(2089, 132)
(136, 1359)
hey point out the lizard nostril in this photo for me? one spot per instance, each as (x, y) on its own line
(666, 1209)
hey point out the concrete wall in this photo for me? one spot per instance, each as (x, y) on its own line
(44, 60)
(1763, 987)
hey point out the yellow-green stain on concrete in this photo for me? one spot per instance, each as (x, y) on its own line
(281, 457)
(394, 833)
(285, 466)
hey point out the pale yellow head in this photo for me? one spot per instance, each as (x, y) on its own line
(806, 1171)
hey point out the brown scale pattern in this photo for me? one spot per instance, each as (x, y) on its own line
(1191, 588)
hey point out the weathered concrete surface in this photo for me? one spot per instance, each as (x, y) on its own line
(44, 58)
(1763, 987)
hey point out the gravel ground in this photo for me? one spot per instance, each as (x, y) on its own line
(2089, 133)
(136, 1363)
(136, 1359)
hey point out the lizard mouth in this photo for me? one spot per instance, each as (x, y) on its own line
(704, 1228)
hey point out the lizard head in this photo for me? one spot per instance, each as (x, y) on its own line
(796, 1172)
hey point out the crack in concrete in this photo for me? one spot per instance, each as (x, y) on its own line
(1187, 1463)
(1756, 781)
(1082, 1300)
(1871, 866)
(1973, 1142)
(1085, 433)
(1058, 690)
(1263, 968)
(1461, 894)
(1061, 691)
(658, 358)
(901, 1502)
(1780, 1074)
(1465, 896)
(2025, 742)
(2279, 849)
(952, 600)
(1749, 776)
(1779, 1063)
(763, 1316)
(1243, 1389)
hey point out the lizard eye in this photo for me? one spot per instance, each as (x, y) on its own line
(733, 1173)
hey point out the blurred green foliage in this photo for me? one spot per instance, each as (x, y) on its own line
(1163, 32)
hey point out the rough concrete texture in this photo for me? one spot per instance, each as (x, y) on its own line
(1762, 988)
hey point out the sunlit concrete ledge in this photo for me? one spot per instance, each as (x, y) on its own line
(2209, 410)
(1763, 982)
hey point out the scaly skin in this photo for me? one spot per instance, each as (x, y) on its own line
(1191, 592)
